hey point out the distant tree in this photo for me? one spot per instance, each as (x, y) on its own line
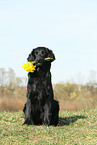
(18, 81)
(24, 81)
(93, 77)
(11, 76)
(2, 76)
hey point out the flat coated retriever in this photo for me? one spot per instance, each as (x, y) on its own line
(41, 108)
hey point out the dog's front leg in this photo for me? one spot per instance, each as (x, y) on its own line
(47, 114)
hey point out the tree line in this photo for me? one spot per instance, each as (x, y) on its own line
(71, 96)
(8, 78)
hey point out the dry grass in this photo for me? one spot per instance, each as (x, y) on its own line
(69, 97)
(77, 105)
(11, 104)
(12, 99)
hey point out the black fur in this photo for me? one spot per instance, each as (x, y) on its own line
(41, 108)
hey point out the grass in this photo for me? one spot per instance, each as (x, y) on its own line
(75, 128)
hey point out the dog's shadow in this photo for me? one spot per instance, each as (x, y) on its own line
(69, 120)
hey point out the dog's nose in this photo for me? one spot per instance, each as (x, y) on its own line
(39, 59)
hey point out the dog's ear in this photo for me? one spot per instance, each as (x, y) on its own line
(51, 55)
(31, 56)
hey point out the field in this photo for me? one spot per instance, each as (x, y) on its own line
(75, 128)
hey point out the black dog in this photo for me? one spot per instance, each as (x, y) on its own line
(41, 108)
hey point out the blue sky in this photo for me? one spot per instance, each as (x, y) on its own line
(69, 28)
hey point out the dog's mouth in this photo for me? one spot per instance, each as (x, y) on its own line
(39, 64)
(31, 66)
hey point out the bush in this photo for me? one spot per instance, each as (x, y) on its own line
(75, 96)
(12, 98)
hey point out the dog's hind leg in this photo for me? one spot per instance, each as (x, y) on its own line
(55, 113)
(47, 115)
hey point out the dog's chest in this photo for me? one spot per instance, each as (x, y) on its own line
(40, 85)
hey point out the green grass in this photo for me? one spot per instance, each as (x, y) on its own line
(75, 128)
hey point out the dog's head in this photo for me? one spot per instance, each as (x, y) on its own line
(40, 54)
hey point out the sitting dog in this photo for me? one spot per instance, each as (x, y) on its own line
(41, 108)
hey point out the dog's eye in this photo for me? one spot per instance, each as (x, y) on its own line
(42, 52)
(36, 52)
